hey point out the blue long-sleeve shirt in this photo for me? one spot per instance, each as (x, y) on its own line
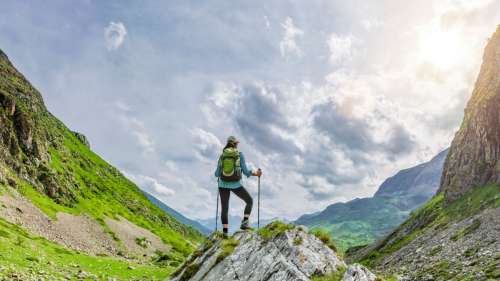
(232, 184)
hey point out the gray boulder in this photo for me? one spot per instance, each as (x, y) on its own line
(292, 255)
(287, 254)
(357, 272)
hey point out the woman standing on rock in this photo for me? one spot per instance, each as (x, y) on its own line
(230, 166)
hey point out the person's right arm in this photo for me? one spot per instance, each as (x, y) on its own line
(218, 171)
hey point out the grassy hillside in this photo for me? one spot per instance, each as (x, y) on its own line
(436, 213)
(23, 256)
(55, 168)
(361, 221)
(443, 232)
(357, 222)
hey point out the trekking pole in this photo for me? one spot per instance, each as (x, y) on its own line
(217, 208)
(258, 203)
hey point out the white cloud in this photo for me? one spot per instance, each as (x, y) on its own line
(340, 48)
(370, 24)
(267, 22)
(151, 185)
(114, 35)
(288, 45)
(384, 83)
(207, 145)
(137, 129)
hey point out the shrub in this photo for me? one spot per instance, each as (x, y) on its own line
(325, 238)
(334, 276)
(274, 229)
(228, 247)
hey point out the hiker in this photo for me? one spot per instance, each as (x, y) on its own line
(230, 166)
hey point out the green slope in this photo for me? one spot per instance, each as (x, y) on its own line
(457, 253)
(362, 221)
(23, 256)
(357, 222)
(435, 213)
(55, 168)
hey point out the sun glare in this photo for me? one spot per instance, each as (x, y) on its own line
(441, 48)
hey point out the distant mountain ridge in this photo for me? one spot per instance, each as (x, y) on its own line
(416, 184)
(363, 220)
(178, 216)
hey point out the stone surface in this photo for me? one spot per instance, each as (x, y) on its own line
(281, 258)
(440, 246)
(474, 157)
(357, 272)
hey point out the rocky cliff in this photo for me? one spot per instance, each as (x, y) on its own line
(278, 252)
(455, 235)
(474, 158)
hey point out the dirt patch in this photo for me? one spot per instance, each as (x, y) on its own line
(137, 240)
(80, 233)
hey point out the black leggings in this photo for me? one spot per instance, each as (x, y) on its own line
(224, 199)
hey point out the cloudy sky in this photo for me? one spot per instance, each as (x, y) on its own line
(329, 98)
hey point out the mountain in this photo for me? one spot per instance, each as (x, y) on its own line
(63, 209)
(362, 221)
(455, 236)
(178, 216)
(278, 252)
(475, 150)
(416, 185)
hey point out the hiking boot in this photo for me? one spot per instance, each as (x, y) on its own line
(245, 224)
(225, 236)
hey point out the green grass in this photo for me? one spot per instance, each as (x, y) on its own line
(64, 175)
(21, 252)
(228, 245)
(142, 242)
(334, 276)
(102, 191)
(359, 222)
(274, 229)
(325, 238)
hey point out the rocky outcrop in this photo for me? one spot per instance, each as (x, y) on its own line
(474, 157)
(357, 272)
(292, 255)
(82, 138)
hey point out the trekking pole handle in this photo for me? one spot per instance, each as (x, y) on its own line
(258, 202)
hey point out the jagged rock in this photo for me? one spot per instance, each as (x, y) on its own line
(474, 157)
(357, 272)
(293, 255)
(82, 138)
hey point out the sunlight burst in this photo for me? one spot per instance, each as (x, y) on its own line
(441, 48)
